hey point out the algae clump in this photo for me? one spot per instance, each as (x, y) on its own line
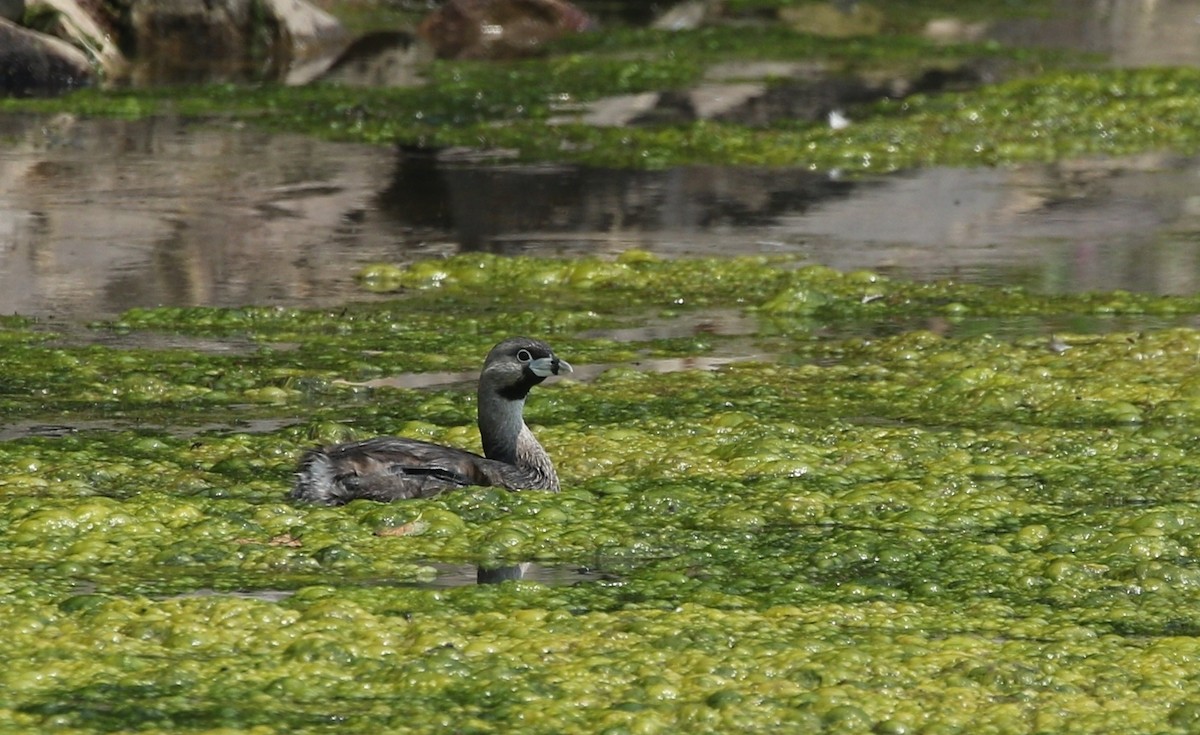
(994, 516)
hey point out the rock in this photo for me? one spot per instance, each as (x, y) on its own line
(184, 40)
(812, 101)
(499, 29)
(713, 101)
(673, 107)
(746, 103)
(32, 64)
(953, 30)
(82, 25)
(688, 16)
(12, 10)
(761, 93)
(305, 30)
(615, 111)
(838, 19)
(751, 71)
(381, 59)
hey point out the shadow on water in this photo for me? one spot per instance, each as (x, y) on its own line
(572, 209)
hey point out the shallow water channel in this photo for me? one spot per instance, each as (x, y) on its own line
(97, 216)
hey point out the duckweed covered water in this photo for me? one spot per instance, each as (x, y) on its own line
(922, 531)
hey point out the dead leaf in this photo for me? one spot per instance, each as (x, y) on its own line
(412, 528)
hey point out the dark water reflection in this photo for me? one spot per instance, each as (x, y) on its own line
(515, 208)
(97, 216)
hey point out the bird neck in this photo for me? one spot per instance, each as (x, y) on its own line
(501, 426)
(506, 438)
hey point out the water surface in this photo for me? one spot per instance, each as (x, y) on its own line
(97, 216)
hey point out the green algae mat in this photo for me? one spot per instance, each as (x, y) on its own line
(893, 508)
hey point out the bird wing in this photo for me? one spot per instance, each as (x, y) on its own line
(392, 468)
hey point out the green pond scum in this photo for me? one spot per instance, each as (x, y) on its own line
(892, 507)
(898, 508)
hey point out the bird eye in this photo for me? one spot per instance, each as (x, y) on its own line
(524, 356)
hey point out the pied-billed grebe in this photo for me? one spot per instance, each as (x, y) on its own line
(390, 468)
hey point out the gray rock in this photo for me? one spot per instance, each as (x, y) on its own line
(688, 16)
(185, 40)
(758, 71)
(614, 111)
(499, 29)
(711, 101)
(81, 24)
(34, 65)
(306, 31)
(13, 10)
(381, 59)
